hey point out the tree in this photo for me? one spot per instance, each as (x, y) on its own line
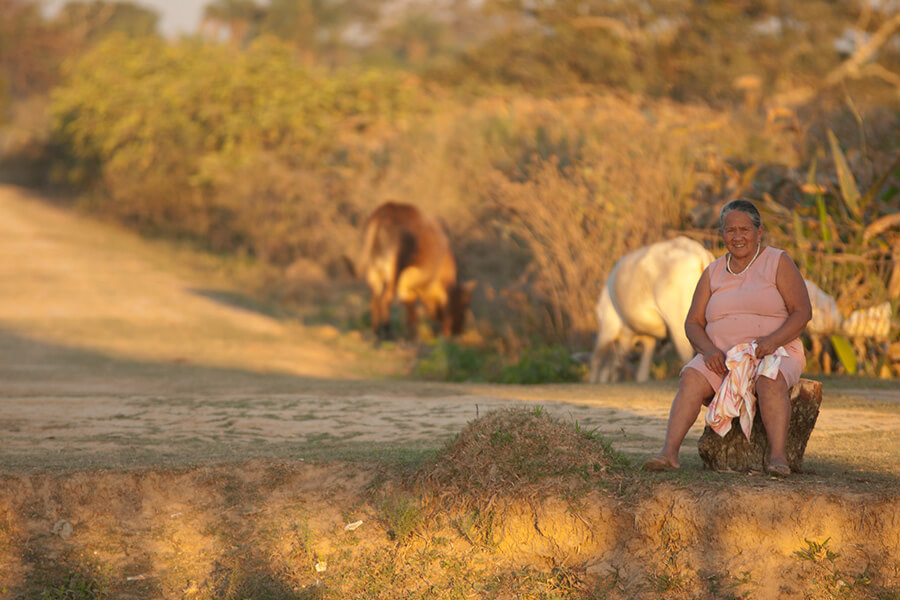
(319, 27)
(682, 48)
(238, 17)
(31, 50)
(89, 22)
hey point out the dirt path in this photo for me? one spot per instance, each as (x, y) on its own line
(114, 350)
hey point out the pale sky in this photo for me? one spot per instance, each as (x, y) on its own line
(175, 16)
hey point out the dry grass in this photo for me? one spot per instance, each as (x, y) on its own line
(258, 529)
(519, 451)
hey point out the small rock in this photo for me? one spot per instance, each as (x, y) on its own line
(63, 529)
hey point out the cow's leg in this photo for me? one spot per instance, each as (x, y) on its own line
(605, 360)
(815, 352)
(381, 324)
(648, 343)
(441, 323)
(375, 311)
(412, 319)
(410, 289)
(433, 301)
(387, 298)
(598, 360)
(605, 357)
(381, 313)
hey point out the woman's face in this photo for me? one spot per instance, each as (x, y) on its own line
(740, 236)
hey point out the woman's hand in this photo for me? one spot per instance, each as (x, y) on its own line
(715, 362)
(765, 346)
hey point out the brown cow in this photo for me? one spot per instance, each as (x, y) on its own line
(407, 255)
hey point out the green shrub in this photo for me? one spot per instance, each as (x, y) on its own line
(446, 360)
(80, 583)
(401, 514)
(248, 150)
(544, 364)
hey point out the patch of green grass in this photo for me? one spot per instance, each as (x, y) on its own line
(725, 587)
(477, 527)
(75, 587)
(557, 583)
(446, 360)
(401, 514)
(69, 579)
(665, 582)
(619, 460)
(544, 364)
(828, 581)
(242, 581)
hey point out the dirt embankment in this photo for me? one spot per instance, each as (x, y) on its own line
(192, 533)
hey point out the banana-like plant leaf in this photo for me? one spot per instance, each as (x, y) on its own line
(849, 190)
(811, 176)
(876, 187)
(845, 353)
(799, 237)
(812, 189)
(823, 218)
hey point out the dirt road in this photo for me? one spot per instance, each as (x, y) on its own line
(118, 351)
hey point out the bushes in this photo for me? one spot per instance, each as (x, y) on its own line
(544, 364)
(242, 149)
(605, 177)
(251, 152)
(445, 360)
(448, 361)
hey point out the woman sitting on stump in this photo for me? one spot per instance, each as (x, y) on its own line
(753, 294)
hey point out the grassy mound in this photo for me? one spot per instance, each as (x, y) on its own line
(519, 452)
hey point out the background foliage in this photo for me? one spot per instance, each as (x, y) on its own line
(551, 137)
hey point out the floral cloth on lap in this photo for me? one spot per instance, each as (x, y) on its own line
(735, 397)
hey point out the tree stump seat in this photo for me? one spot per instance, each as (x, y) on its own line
(734, 453)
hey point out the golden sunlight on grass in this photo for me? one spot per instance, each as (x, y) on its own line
(259, 528)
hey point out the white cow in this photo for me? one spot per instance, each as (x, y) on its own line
(646, 298)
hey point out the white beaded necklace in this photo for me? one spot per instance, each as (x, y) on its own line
(742, 271)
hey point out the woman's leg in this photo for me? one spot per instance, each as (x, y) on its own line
(775, 410)
(693, 392)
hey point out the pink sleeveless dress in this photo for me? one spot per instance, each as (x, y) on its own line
(744, 307)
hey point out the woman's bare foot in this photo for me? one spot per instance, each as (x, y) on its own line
(659, 464)
(778, 468)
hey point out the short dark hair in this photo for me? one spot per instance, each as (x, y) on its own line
(745, 206)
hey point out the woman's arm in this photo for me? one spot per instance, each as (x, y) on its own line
(790, 284)
(695, 327)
